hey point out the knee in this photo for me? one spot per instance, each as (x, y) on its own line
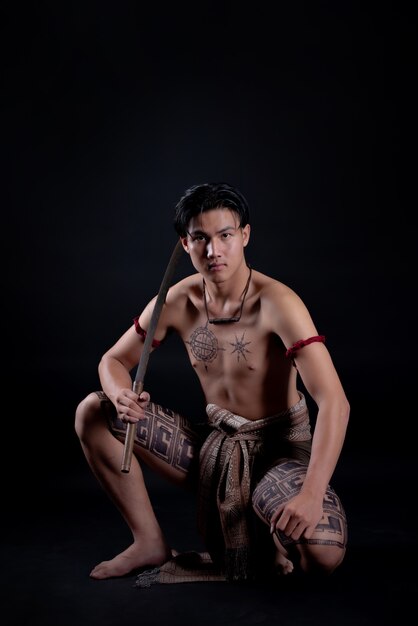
(87, 411)
(320, 560)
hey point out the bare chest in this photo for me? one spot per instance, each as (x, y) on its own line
(226, 349)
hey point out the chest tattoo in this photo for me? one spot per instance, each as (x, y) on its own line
(240, 346)
(204, 345)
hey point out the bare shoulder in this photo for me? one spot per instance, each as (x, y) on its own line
(274, 293)
(188, 288)
(177, 298)
(181, 298)
(283, 311)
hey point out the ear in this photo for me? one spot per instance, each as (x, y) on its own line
(185, 244)
(246, 231)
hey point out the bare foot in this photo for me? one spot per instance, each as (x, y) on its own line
(282, 564)
(130, 560)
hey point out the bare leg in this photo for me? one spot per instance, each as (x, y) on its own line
(103, 452)
(325, 550)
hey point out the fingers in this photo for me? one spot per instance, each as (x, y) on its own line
(276, 515)
(290, 524)
(130, 406)
(292, 528)
(144, 397)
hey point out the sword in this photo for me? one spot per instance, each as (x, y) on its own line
(138, 383)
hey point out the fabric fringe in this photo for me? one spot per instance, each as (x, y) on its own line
(188, 567)
(147, 578)
(238, 564)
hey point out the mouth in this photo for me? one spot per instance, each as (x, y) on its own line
(216, 267)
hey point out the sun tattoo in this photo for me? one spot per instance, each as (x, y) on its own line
(240, 346)
(204, 345)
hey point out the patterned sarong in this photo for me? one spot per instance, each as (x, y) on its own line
(233, 457)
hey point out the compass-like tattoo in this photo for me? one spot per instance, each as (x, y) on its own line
(204, 345)
(240, 346)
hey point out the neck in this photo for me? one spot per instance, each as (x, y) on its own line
(237, 312)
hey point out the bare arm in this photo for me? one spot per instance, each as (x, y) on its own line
(116, 365)
(301, 514)
(321, 380)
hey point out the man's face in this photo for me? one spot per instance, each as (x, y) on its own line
(216, 243)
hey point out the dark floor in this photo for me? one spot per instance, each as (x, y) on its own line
(65, 525)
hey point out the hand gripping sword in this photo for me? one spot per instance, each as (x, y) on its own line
(138, 383)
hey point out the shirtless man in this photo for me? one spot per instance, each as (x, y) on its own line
(249, 337)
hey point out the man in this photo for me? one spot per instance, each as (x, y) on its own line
(262, 480)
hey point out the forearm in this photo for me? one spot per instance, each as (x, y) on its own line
(114, 376)
(327, 443)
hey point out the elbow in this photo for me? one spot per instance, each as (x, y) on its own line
(103, 364)
(345, 412)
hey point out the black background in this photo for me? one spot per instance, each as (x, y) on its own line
(111, 110)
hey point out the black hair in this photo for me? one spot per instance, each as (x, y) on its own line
(205, 197)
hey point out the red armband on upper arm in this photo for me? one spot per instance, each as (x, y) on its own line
(143, 333)
(303, 342)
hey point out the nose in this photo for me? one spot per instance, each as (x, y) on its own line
(211, 249)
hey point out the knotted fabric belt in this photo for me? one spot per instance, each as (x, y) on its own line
(227, 457)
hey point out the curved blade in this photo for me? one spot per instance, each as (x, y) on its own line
(143, 361)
